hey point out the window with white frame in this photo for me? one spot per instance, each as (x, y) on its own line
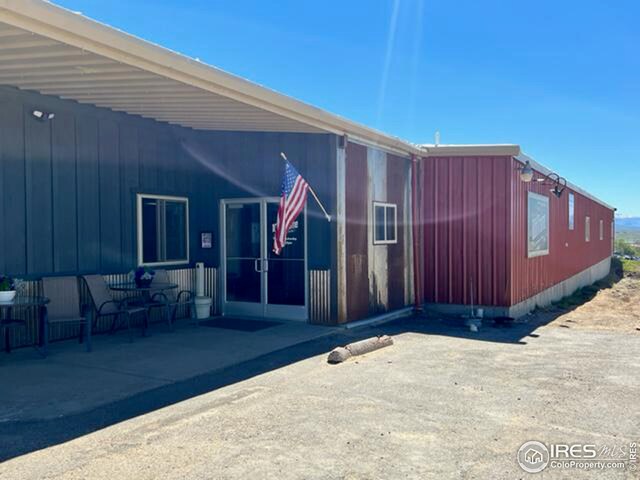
(601, 229)
(537, 225)
(587, 229)
(572, 206)
(385, 223)
(163, 230)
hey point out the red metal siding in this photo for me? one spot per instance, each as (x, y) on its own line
(569, 253)
(474, 215)
(465, 223)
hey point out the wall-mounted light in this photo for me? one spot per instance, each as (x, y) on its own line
(559, 183)
(526, 172)
(43, 116)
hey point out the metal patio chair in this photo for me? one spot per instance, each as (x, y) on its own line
(104, 305)
(169, 301)
(64, 308)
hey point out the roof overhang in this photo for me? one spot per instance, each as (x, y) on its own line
(508, 150)
(54, 51)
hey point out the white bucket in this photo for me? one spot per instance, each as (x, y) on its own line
(203, 307)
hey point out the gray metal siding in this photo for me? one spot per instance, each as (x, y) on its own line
(69, 185)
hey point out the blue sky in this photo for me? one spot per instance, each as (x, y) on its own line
(562, 79)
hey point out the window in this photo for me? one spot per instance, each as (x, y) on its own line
(572, 206)
(601, 229)
(163, 230)
(537, 225)
(385, 223)
(587, 229)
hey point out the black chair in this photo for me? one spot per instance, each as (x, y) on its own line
(169, 301)
(104, 305)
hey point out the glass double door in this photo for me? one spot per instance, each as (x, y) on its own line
(257, 282)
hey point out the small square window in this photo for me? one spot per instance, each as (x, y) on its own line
(385, 223)
(163, 230)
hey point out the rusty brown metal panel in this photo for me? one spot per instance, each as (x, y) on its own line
(356, 232)
(569, 253)
(397, 175)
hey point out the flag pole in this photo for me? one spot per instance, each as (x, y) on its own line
(312, 193)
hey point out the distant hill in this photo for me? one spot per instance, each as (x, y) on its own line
(627, 223)
(628, 229)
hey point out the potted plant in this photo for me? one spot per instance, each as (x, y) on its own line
(143, 276)
(7, 288)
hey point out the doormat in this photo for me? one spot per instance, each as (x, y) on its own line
(241, 324)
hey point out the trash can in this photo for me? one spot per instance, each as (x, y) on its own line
(202, 303)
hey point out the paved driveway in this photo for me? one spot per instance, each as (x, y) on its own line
(440, 403)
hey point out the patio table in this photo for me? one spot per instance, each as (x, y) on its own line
(145, 291)
(7, 322)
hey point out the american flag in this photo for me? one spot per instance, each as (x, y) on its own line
(294, 196)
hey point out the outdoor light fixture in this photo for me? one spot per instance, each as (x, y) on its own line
(558, 183)
(43, 116)
(526, 172)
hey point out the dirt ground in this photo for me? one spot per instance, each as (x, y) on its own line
(440, 403)
(614, 309)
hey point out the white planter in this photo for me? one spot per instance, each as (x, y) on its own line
(203, 307)
(7, 296)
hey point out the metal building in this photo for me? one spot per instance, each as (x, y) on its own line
(480, 249)
(99, 128)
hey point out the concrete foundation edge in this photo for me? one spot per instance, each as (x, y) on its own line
(542, 299)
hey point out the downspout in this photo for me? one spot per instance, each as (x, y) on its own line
(415, 223)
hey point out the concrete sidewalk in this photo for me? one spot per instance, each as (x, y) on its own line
(71, 381)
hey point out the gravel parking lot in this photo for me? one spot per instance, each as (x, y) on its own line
(440, 403)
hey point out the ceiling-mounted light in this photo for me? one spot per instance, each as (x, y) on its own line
(526, 172)
(43, 116)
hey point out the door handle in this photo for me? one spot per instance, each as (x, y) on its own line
(255, 265)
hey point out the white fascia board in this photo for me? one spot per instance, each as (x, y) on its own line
(470, 150)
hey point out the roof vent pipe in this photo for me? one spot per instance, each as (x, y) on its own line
(436, 140)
